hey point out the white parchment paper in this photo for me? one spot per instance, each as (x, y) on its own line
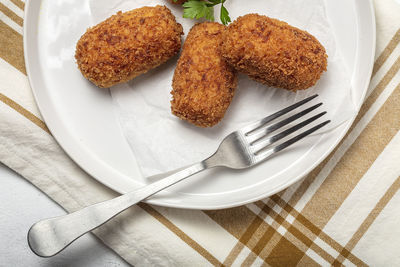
(161, 141)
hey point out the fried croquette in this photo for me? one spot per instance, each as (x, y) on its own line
(273, 52)
(203, 83)
(127, 45)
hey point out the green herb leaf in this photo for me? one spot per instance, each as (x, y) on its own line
(225, 19)
(196, 9)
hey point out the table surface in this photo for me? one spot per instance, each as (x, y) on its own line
(22, 204)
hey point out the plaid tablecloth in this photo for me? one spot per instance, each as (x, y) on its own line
(347, 211)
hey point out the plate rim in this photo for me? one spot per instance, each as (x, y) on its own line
(125, 181)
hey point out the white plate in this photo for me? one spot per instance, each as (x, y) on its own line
(81, 117)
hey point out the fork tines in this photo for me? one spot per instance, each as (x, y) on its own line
(257, 133)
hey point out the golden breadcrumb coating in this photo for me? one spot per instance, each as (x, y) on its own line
(127, 45)
(273, 52)
(203, 84)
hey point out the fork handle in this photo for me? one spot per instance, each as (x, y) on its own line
(48, 237)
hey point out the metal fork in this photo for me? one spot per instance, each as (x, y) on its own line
(239, 150)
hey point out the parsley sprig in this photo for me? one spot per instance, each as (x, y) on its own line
(196, 9)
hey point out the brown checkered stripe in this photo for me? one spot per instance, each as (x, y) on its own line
(340, 181)
(11, 49)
